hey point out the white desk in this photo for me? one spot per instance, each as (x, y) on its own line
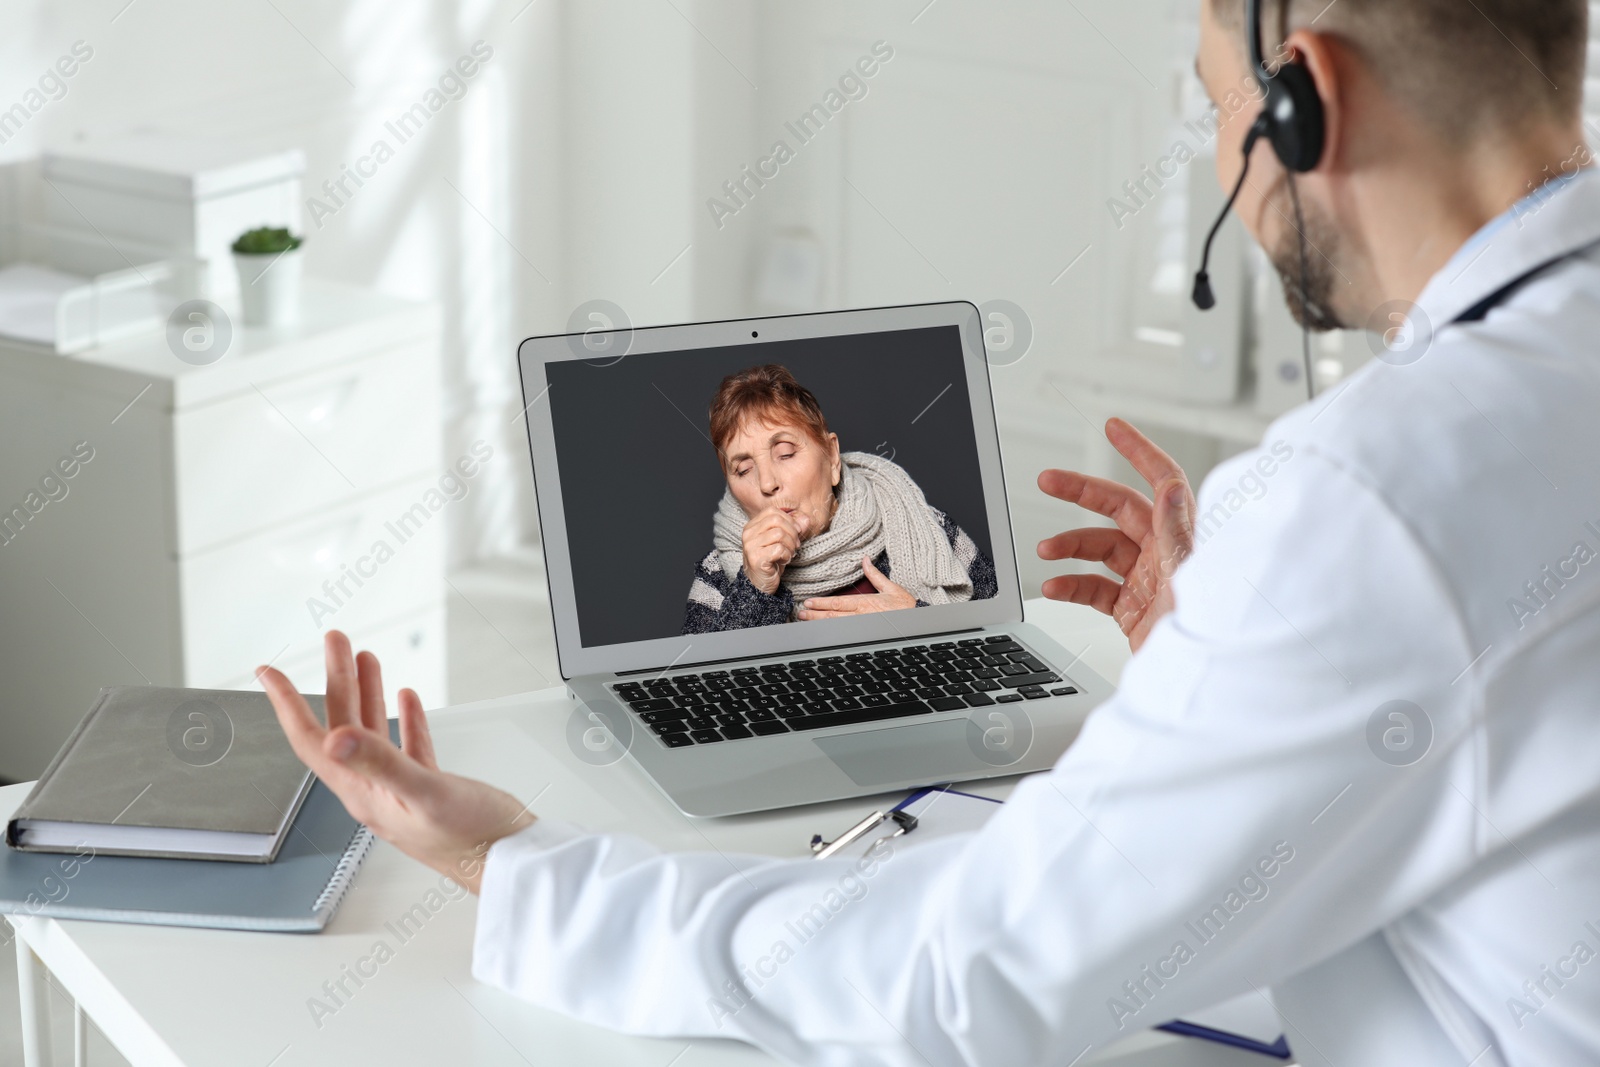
(166, 996)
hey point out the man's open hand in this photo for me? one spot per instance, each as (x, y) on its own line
(443, 820)
(1145, 548)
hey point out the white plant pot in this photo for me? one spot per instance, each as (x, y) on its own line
(269, 287)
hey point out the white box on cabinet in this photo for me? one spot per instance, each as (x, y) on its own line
(191, 194)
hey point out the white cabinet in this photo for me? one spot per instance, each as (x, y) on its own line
(217, 508)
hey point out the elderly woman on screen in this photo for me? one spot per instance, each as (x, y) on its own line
(806, 532)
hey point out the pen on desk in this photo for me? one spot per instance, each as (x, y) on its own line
(904, 821)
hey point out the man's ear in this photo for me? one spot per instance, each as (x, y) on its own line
(1327, 61)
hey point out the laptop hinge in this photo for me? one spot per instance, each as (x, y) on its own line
(799, 654)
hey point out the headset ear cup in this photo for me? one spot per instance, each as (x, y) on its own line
(1298, 132)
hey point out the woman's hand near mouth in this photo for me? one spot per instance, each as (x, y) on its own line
(889, 597)
(771, 539)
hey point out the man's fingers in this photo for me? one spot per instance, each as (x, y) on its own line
(1154, 465)
(1127, 507)
(343, 687)
(1174, 526)
(299, 723)
(1095, 590)
(369, 678)
(379, 762)
(1097, 544)
(415, 739)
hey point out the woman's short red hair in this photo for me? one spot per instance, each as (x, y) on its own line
(768, 391)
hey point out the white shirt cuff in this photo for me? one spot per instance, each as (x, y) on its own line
(540, 835)
(497, 926)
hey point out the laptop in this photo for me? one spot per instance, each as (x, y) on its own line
(726, 691)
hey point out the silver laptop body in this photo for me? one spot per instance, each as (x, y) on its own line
(771, 716)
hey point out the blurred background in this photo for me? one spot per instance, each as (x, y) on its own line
(462, 176)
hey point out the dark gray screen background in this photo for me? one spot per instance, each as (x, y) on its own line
(640, 481)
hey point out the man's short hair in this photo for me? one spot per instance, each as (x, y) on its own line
(1464, 67)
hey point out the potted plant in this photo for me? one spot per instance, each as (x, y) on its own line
(268, 260)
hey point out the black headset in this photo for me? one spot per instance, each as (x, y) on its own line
(1292, 110)
(1291, 120)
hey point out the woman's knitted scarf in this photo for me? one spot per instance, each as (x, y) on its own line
(880, 508)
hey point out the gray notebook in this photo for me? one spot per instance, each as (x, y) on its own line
(176, 773)
(296, 893)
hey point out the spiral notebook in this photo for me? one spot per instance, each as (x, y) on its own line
(296, 893)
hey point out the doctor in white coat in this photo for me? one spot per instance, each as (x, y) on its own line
(1356, 757)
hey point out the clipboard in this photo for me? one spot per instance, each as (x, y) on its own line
(906, 816)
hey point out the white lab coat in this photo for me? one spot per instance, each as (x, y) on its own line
(1429, 533)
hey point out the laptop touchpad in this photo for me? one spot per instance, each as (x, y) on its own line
(927, 752)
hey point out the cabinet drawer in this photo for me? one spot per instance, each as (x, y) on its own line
(260, 598)
(292, 447)
(412, 650)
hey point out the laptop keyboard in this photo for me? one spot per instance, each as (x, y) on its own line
(813, 694)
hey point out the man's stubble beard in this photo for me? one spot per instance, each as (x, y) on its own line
(1315, 310)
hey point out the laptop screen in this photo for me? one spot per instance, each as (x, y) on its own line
(776, 483)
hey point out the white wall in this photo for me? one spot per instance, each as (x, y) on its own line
(579, 164)
(977, 168)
